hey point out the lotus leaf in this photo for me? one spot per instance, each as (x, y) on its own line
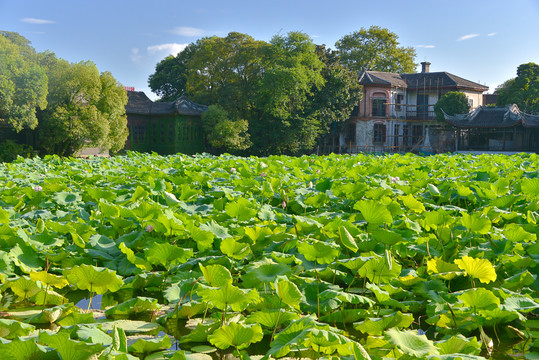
(237, 335)
(411, 343)
(480, 269)
(92, 278)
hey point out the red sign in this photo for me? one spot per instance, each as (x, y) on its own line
(129, 88)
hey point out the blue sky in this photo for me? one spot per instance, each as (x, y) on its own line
(480, 40)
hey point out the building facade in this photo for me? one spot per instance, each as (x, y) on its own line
(164, 127)
(396, 111)
(504, 129)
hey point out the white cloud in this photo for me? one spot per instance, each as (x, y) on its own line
(188, 31)
(467, 37)
(135, 57)
(37, 21)
(426, 46)
(170, 49)
(491, 34)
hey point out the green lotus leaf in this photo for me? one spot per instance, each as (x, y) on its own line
(476, 223)
(242, 209)
(70, 349)
(347, 239)
(133, 259)
(443, 269)
(411, 203)
(516, 233)
(48, 297)
(11, 329)
(131, 326)
(479, 298)
(66, 198)
(355, 263)
(378, 270)
(271, 318)
(93, 334)
(374, 213)
(480, 269)
(520, 303)
(518, 281)
(228, 295)
(530, 186)
(148, 345)
(133, 308)
(92, 278)
(376, 326)
(235, 249)
(216, 275)
(26, 349)
(167, 255)
(200, 332)
(345, 297)
(263, 271)
(409, 342)
(288, 292)
(290, 337)
(204, 239)
(237, 335)
(321, 252)
(23, 287)
(459, 345)
(109, 210)
(53, 314)
(188, 310)
(26, 258)
(48, 279)
(219, 231)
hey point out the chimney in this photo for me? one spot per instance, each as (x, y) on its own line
(425, 67)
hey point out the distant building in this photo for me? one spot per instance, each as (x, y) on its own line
(396, 112)
(164, 127)
(496, 129)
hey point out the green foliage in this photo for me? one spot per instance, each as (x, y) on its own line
(279, 97)
(222, 133)
(376, 49)
(10, 150)
(300, 257)
(69, 105)
(453, 102)
(23, 82)
(522, 90)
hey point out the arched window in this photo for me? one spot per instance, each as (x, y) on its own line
(379, 101)
(379, 133)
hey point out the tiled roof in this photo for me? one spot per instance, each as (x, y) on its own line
(493, 117)
(140, 104)
(419, 80)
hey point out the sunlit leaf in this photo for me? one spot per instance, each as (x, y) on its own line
(480, 269)
(411, 343)
(237, 335)
(92, 278)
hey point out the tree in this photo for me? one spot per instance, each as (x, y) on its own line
(376, 49)
(222, 133)
(453, 102)
(170, 78)
(85, 109)
(522, 90)
(23, 82)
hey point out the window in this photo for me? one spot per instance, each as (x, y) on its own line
(470, 102)
(422, 106)
(379, 133)
(379, 107)
(399, 100)
(396, 128)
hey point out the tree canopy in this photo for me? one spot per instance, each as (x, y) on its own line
(453, 102)
(376, 49)
(69, 105)
(522, 90)
(23, 82)
(287, 90)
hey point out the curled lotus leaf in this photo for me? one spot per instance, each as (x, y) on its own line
(237, 335)
(93, 278)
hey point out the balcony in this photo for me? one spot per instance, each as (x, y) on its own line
(402, 112)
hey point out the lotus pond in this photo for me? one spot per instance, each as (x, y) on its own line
(201, 257)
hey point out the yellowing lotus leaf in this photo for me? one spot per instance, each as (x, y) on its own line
(480, 269)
